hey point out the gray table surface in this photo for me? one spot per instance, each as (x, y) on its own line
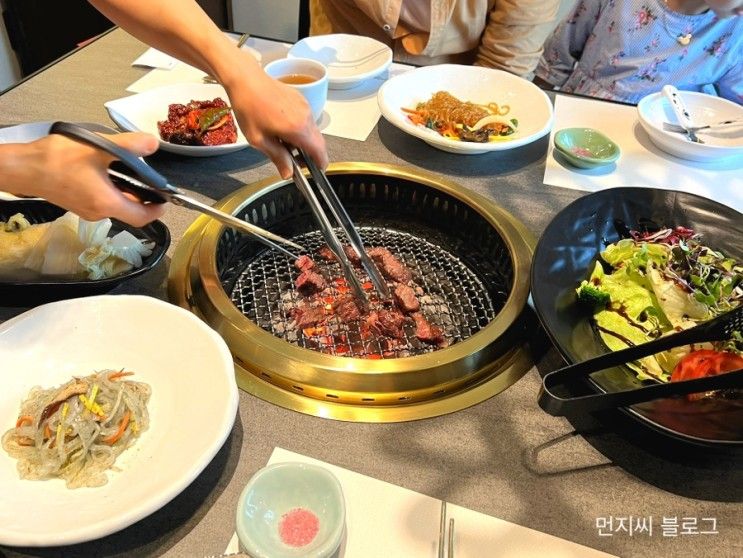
(494, 457)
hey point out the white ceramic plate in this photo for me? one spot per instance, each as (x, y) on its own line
(168, 348)
(655, 109)
(142, 111)
(31, 131)
(350, 59)
(529, 104)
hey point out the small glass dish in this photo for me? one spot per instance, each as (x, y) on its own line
(586, 148)
(288, 510)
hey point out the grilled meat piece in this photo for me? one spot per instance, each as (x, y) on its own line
(405, 299)
(346, 309)
(309, 282)
(327, 254)
(304, 263)
(387, 322)
(352, 256)
(427, 332)
(308, 316)
(389, 265)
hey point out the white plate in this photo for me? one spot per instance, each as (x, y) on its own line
(655, 109)
(142, 111)
(350, 59)
(529, 104)
(168, 348)
(31, 131)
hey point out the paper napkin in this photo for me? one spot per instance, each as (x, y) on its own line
(383, 519)
(641, 162)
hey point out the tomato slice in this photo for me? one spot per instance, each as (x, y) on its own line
(705, 362)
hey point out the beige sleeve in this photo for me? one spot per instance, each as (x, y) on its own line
(516, 32)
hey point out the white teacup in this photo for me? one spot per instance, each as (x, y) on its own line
(307, 76)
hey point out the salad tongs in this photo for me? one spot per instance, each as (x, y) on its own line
(717, 329)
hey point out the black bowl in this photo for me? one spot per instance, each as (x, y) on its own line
(564, 257)
(31, 292)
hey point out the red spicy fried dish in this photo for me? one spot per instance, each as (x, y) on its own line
(199, 123)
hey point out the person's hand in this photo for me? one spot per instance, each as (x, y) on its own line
(269, 111)
(73, 175)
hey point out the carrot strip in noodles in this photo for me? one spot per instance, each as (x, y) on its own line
(115, 436)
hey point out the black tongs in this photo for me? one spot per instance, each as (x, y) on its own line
(344, 221)
(150, 186)
(718, 329)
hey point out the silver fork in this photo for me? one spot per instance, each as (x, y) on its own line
(240, 42)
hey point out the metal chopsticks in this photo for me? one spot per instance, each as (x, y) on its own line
(442, 534)
(344, 221)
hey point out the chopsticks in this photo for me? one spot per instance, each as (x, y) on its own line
(442, 534)
(344, 221)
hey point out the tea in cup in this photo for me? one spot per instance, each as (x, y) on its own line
(307, 76)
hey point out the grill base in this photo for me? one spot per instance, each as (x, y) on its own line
(484, 256)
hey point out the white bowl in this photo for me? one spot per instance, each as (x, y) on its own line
(275, 491)
(142, 111)
(655, 109)
(192, 409)
(529, 104)
(350, 59)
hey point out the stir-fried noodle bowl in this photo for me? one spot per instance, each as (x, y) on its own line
(77, 430)
(463, 120)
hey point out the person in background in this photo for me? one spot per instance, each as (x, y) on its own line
(73, 175)
(503, 34)
(626, 49)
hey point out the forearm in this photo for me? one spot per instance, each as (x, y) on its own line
(15, 162)
(515, 33)
(182, 29)
(267, 110)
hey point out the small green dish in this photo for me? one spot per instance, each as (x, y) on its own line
(280, 490)
(586, 148)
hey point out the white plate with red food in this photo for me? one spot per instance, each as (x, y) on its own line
(167, 349)
(466, 109)
(192, 119)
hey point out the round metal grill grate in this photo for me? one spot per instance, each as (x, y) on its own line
(453, 297)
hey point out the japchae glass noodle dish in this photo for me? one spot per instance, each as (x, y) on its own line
(654, 284)
(463, 120)
(77, 430)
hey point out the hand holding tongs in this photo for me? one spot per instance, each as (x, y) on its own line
(150, 186)
(344, 221)
(717, 329)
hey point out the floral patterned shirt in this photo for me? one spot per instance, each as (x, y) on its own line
(626, 49)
